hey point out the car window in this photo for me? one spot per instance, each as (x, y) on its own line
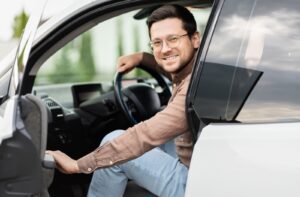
(251, 72)
(92, 56)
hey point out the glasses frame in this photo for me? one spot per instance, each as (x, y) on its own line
(167, 42)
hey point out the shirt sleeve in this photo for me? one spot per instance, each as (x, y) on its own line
(149, 61)
(165, 125)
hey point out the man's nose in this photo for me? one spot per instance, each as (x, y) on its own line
(165, 47)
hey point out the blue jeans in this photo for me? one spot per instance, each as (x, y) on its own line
(159, 171)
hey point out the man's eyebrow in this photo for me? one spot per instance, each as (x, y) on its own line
(155, 38)
(174, 34)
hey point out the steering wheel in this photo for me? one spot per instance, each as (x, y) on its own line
(140, 101)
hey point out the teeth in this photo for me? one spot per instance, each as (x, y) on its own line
(170, 57)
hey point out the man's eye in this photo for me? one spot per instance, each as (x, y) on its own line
(156, 43)
(173, 39)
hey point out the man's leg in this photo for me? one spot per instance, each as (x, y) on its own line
(108, 182)
(155, 171)
(169, 147)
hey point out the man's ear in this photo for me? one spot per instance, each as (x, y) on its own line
(196, 40)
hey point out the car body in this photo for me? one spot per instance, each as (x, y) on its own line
(243, 102)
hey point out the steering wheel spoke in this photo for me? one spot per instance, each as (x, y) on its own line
(141, 101)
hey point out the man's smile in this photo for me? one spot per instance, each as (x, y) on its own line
(171, 57)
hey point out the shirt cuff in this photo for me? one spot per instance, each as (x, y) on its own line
(99, 158)
(87, 164)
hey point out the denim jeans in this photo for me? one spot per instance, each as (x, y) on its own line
(159, 171)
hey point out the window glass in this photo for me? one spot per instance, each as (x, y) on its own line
(252, 68)
(92, 56)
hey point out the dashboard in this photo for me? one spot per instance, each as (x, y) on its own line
(84, 92)
(81, 115)
(92, 114)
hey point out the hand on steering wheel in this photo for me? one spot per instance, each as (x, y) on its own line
(128, 62)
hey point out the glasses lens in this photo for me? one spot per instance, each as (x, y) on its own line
(172, 41)
(156, 44)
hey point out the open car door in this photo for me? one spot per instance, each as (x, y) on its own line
(243, 103)
(20, 160)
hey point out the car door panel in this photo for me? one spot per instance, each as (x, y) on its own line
(20, 169)
(246, 160)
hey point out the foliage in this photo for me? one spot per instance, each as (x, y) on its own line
(19, 24)
(136, 33)
(74, 62)
(120, 37)
(86, 64)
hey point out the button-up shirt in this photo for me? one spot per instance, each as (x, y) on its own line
(167, 124)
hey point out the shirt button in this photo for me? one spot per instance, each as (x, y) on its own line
(89, 169)
(110, 162)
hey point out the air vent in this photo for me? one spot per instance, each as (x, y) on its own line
(51, 103)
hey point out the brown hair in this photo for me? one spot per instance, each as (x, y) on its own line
(174, 11)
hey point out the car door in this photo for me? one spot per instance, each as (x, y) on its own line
(20, 163)
(243, 102)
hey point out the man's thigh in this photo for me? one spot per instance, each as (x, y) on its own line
(157, 172)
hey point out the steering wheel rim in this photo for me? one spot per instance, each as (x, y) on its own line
(120, 97)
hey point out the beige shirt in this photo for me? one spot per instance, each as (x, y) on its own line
(167, 124)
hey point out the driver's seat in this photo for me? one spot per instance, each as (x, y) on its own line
(35, 118)
(133, 189)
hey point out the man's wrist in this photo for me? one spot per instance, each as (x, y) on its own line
(77, 169)
(86, 164)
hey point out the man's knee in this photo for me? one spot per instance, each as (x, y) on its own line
(112, 135)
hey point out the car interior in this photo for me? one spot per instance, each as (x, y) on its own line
(74, 89)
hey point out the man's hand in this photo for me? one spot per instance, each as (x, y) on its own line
(64, 163)
(128, 62)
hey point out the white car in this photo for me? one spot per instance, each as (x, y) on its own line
(243, 103)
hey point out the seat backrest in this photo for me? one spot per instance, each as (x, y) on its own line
(35, 117)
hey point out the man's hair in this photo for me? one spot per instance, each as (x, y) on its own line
(174, 11)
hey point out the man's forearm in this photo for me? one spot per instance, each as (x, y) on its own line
(148, 60)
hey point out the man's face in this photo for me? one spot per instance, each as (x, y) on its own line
(173, 59)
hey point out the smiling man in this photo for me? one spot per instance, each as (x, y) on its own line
(137, 153)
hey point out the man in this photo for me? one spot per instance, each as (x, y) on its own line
(131, 154)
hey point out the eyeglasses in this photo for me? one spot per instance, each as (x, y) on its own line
(172, 41)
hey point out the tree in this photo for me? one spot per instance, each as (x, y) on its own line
(19, 24)
(136, 47)
(74, 62)
(86, 61)
(120, 37)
